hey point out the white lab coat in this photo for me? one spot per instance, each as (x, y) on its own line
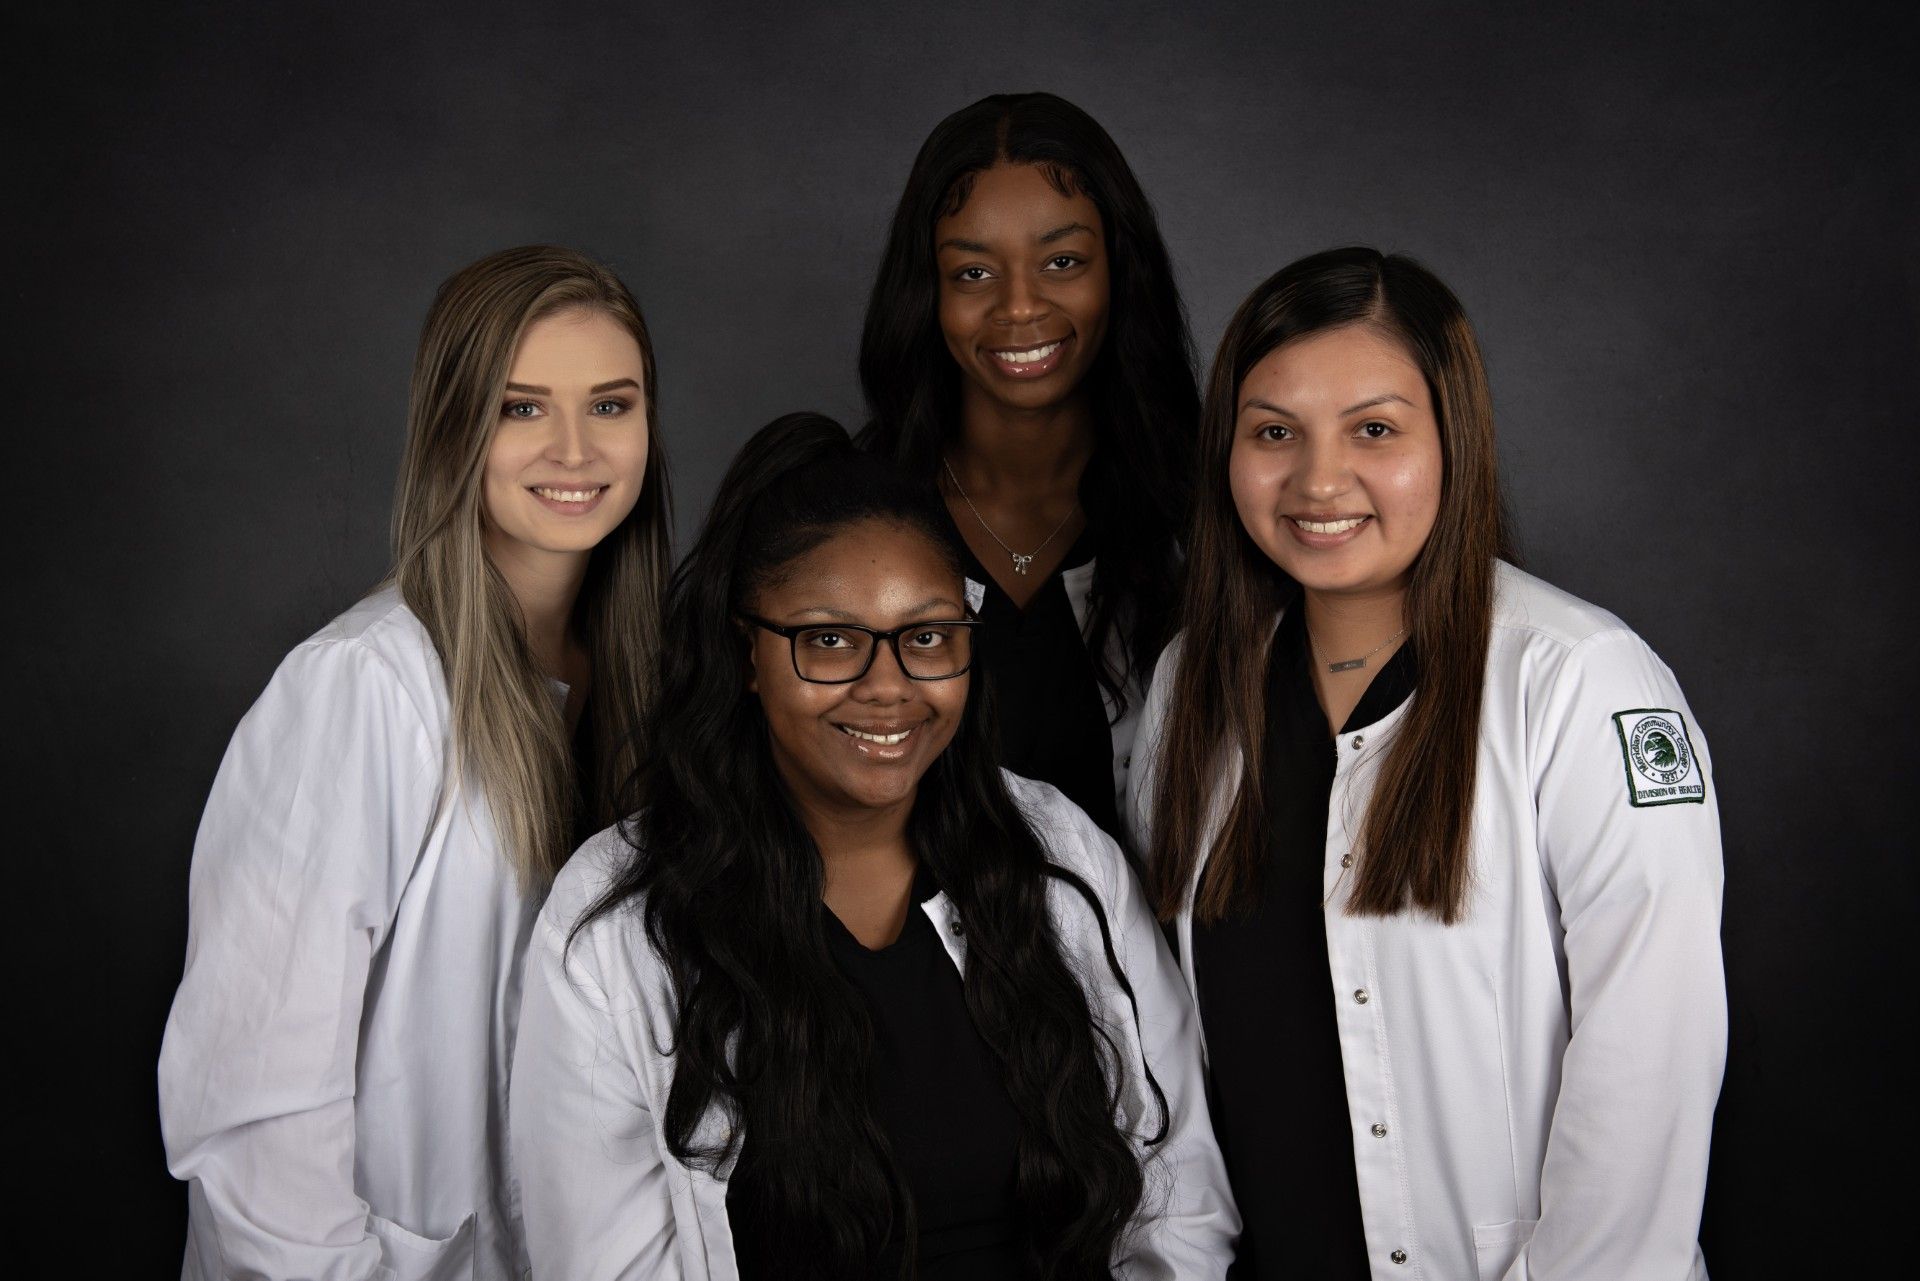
(333, 1078)
(604, 1198)
(1532, 1090)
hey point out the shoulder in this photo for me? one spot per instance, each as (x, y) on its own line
(381, 634)
(585, 880)
(370, 674)
(1160, 686)
(605, 955)
(377, 649)
(1170, 657)
(1071, 839)
(1529, 610)
(1579, 676)
(380, 620)
(1547, 633)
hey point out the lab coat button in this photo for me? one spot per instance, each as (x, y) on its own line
(1398, 1256)
(1346, 860)
(1359, 740)
(1127, 763)
(1379, 1130)
(957, 928)
(1360, 996)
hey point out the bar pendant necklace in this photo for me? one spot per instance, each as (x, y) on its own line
(1352, 664)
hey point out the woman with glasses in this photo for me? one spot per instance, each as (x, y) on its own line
(842, 998)
(1025, 350)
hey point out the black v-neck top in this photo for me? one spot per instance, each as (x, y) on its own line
(1053, 720)
(936, 1093)
(1279, 1096)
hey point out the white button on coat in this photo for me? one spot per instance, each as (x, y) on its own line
(333, 1077)
(605, 1199)
(1547, 1068)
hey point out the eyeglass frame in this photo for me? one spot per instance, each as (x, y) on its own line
(892, 639)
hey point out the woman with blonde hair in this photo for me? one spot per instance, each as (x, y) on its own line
(386, 821)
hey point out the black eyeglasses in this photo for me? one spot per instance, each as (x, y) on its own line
(841, 653)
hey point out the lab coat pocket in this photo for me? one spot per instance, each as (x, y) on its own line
(1497, 1245)
(410, 1257)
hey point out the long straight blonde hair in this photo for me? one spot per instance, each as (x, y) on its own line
(509, 734)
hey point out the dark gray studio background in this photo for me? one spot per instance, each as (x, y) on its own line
(1686, 233)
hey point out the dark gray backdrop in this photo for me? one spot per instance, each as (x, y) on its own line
(1686, 236)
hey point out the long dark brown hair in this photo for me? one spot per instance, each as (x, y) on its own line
(1413, 848)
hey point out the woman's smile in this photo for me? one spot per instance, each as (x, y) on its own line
(569, 500)
(1030, 362)
(1327, 532)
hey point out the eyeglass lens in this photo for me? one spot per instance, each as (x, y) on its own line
(843, 654)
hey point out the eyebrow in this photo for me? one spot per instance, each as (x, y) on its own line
(530, 389)
(841, 615)
(1045, 238)
(1061, 233)
(1383, 398)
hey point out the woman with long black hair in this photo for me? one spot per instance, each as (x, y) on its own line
(843, 999)
(1438, 840)
(1026, 350)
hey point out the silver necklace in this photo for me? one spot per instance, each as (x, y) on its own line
(1020, 562)
(1353, 664)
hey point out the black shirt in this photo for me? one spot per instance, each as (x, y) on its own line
(1053, 721)
(936, 1092)
(1266, 998)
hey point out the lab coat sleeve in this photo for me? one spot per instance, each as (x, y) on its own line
(1638, 889)
(596, 1196)
(316, 815)
(1187, 1222)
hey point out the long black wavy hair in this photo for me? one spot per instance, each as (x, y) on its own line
(1146, 406)
(731, 882)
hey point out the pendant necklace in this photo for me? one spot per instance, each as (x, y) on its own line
(1020, 562)
(1351, 664)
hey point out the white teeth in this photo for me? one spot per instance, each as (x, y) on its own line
(566, 495)
(1329, 526)
(887, 739)
(1031, 356)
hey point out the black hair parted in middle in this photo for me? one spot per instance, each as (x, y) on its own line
(1145, 402)
(728, 882)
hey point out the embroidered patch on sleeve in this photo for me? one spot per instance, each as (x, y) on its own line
(1661, 766)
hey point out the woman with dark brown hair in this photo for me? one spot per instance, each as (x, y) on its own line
(1437, 839)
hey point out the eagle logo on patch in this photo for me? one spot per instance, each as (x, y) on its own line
(1661, 764)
